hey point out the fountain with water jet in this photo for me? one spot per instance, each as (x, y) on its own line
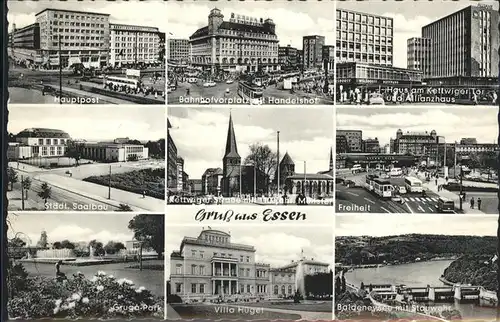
(299, 282)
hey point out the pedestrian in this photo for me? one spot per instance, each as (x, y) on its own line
(472, 203)
(479, 203)
(436, 181)
(143, 193)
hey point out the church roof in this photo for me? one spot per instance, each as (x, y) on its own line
(246, 171)
(231, 147)
(287, 160)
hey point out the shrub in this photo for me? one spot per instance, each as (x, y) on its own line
(102, 296)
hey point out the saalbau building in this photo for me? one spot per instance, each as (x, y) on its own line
(38, 143)
(242, 43)
(211, 266)
(464, 46)
(116, 151)
(131, 45)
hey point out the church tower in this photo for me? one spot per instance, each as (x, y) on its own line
(287, 167)
(231, 161)
(330, 168)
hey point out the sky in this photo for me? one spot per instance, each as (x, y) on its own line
(200, 135)
(92, 122)
(452, 123)
(273, 246)
(396, 224)
(75, 227)
(144, 13)
(409, 17)
(292, 21)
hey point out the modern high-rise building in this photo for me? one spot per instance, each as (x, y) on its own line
(465, 46)
(364, 38)
(242, 43)
(418, 55)
(26, 37)
(178, 50)
(131, 45)
(354, 140)
(83, 37)
(312, 47)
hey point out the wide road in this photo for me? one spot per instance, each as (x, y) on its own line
(359, 200)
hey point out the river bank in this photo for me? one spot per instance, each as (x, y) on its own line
(353, 267)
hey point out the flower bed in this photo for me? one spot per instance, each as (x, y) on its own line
(102, 296)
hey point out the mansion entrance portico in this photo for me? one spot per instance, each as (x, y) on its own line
(224, 276)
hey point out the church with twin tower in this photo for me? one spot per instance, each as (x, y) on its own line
(235, 173)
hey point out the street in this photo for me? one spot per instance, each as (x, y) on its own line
(219, 94)
(70, 193)
(359, 200)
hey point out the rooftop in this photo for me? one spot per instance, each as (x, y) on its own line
(42, 133)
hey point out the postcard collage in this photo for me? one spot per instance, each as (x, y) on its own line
(253, 160)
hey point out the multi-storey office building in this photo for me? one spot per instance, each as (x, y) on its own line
(464, 47)
(82, 37)
(38, 143)
(465, 149)
(24, 44)
(364, 38)
(180, 174)
(354, 140)
(371, 145)
(312, 47)
(328, 58)
(211, 266)
(288, 56)
(171, 161)
(131, 45)
(420, 144)
(178, 50)
(418, 55)
(242, 43)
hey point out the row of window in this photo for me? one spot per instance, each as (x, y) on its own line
(45, 150)
(139, 39)
(52, 141)
(246, 34)
(344, 26)
(73, 30)
(80, 17)
(363, 18)
(74, 44)
(364, 38)
(77, 24)
(365, 48)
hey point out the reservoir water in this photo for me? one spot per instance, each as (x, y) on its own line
(419, 274)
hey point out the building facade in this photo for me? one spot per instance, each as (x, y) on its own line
(371, 146)
(26, 37)
(132, 45)
(420, 144)
(38, 143)
(288, 57)
(418, 55)
(474, 148)
(364, 38)
(341, 146)
(210, 266)
(171, 160)
(464, 44)
(328, 57)
(312, 51)
(355, 74)
(180, 174)
(240, 44)
(178, 50)
(354, 139)
(83, 37)
(113, 152)
(211, 181)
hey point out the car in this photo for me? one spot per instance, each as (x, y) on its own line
(401, 190)
(229, 81)
(349, 183)
(209, 84)
(169, 90)
(48, 89)
(375, 99)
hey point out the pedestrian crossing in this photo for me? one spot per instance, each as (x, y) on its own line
(421, 199)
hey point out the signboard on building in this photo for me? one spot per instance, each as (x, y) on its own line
(133, 72)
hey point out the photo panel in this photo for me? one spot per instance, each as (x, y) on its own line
(97, 158)
(227, 157)
(417, 160)
(250, 53)
(414, 53)
(94, 266)
(74, 52)
(241, 271)
(390, 267)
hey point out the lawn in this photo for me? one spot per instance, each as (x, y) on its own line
(217, 312)
(152, 181)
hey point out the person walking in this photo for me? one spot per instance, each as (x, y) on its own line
(479, 201)
(472, 203)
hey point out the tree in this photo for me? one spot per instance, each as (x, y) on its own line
(45, 193)
(43, 240)
(12, 177)
(149, 229)
(57, 245)
(26, 185)
(97, 247)
(16, 242)
(66, 244)
(338, 286)
(113, 247)
(263, 158)
(124, 207)
(343, 284)
(74, 151)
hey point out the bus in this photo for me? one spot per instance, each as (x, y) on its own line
(413, 184)
(382, 188)
(394, 172)
(445, 205)
(250, 92)
(121, 81)
(369, 181)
